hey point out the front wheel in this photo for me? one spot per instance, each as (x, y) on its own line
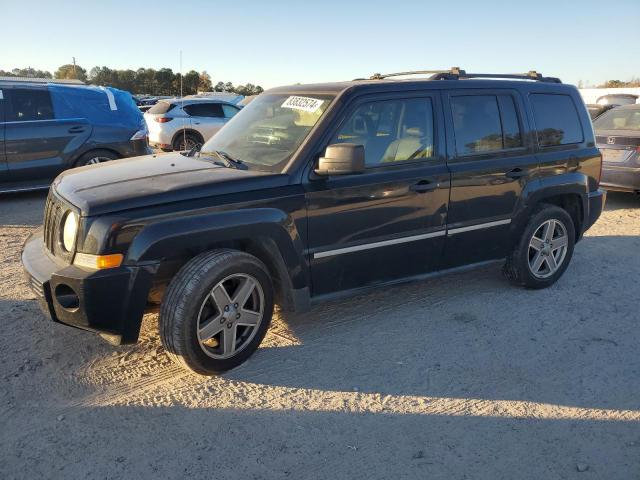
(545, 249)
(216, 311)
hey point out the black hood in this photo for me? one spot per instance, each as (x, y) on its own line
(153, 180)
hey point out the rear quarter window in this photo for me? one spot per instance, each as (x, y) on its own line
(556, 118)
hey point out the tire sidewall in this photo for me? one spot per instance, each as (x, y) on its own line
(82, 161)
(189, 308)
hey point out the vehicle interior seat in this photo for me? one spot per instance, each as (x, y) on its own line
(412, 145)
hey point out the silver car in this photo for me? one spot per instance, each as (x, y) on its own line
(185, 123)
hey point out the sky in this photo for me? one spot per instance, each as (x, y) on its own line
(273, 43)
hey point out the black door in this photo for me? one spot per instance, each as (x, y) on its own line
(37, 145)
(390, 221)
(4, 175)
(491, 159)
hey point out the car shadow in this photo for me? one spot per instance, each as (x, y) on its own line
(474, 335)
(621, 201)
(466, 335)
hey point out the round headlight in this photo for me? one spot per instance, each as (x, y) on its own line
(69, 231)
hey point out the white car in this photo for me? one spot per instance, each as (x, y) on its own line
(184, 123)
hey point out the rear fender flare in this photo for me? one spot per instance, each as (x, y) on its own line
(535, 192)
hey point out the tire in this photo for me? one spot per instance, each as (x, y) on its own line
(522, 267)
(190, 308)
(94, 157)
(187, 141)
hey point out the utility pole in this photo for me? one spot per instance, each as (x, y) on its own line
(74, 67)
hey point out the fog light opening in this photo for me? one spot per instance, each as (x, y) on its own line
(67, 297)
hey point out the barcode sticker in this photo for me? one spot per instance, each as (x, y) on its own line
(306, 104)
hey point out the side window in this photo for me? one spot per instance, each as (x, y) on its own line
(28, 104)
(204, 110)
(229, 111)
(485, 123)
(557, 120)
(391, 130)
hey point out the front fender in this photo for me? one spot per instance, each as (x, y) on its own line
(200, 232)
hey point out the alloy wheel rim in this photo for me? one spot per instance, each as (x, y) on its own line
(230, 316)
(548, 248)
(96, 160)
(188, 144)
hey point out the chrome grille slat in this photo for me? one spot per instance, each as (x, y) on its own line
(54, 210)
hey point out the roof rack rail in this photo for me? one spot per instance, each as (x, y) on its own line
(42, 80)
(456, 73)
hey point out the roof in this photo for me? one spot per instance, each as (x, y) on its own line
(435, 78)
(408, 84)
(41, 80)
(193, 99)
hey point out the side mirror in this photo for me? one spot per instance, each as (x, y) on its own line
(341, 159)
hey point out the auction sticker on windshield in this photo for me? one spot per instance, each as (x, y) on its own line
(306, 104)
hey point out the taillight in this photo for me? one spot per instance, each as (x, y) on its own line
(163, 119)
(140, 134)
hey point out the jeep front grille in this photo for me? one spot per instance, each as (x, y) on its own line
(54, 210)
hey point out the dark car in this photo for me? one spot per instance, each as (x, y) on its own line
(46, 128)
(318, 191)
(618, 137)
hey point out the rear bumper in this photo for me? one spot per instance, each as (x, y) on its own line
(161, 138)
(597, 201)
(622, 178)
(135, 148)
(109, 302)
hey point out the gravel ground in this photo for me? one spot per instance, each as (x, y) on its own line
(458, 377)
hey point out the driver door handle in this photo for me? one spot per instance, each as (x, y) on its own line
(424, 186)
(517, 173)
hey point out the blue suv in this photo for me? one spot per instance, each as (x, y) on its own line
(48, 127)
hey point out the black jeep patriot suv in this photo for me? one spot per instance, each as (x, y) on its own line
(314, 191)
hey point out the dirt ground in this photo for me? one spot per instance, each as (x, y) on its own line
(453, 378)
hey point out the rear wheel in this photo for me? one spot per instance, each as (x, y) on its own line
(187, 141)
(216, 311)
(96, 156)
(545, 249)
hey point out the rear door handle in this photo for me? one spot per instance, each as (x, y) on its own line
(517, 173)
(76, 129)
(424, 186)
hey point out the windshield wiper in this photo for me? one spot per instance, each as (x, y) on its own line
(227, 160)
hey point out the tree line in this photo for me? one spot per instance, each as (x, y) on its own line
(163, 81)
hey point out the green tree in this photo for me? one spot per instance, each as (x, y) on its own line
(190, 82)
(70, 72)
(146, 81)
(164, 82)
(28, 72)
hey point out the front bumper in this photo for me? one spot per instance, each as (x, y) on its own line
(621, 178)
(109, 302)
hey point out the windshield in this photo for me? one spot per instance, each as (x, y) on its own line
(269, 130)
(619, 119)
